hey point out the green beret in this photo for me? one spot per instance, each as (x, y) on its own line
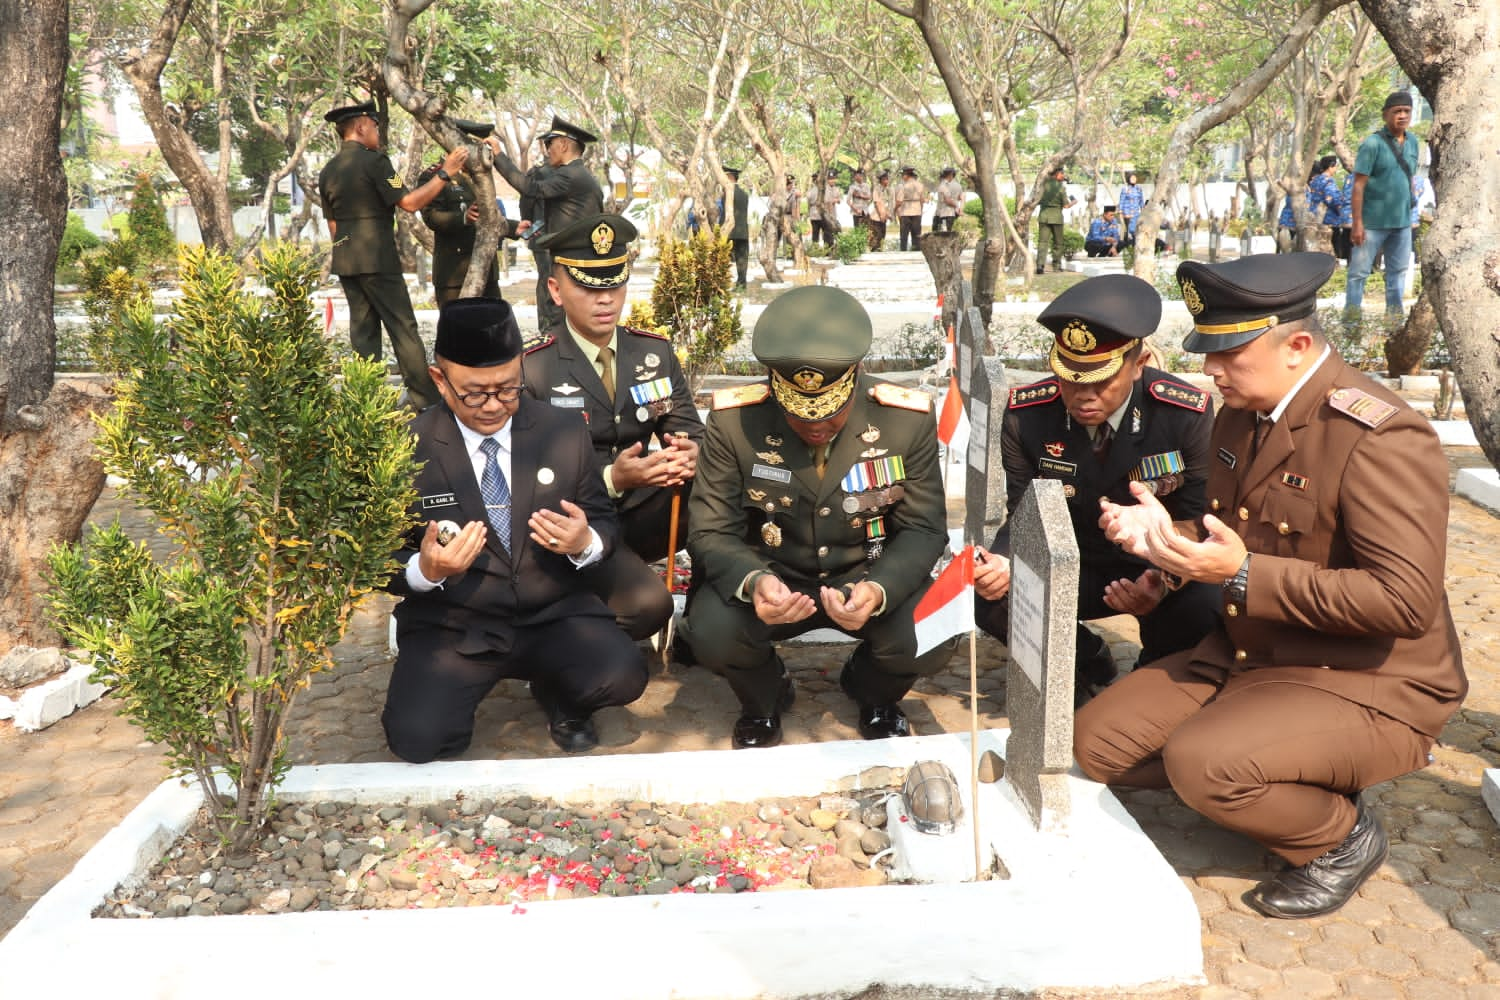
(812, 339)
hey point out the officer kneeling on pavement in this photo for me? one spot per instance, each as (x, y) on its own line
(818, 504)
(629, 387)
(1336, 663)
(1103, 421)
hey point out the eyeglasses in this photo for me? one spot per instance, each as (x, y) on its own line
(476, 399)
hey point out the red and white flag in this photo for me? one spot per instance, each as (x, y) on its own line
(953, 422)
(948, 606)
(327, 315)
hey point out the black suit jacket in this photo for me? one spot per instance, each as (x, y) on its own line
(557, 372)
(557, 196)
(1039, 441)
(551, 460)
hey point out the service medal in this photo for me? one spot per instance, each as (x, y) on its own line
(770, 533)
(851, 504)
(870, 434)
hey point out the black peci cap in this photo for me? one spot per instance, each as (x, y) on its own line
(477, 332)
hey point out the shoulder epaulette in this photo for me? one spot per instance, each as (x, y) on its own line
(741, 395)
(536, 342)
(638, 331)
(887, 394)
(1044, 391)
(1178, 394)
(1369, 410)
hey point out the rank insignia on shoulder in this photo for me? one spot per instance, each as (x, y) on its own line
(741, 395)
(536, 342)
(647, 333)
(1367, 409)
(1044, 391)
(899, 396)
(1180, 395)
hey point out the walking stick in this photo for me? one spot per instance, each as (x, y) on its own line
(671, 578)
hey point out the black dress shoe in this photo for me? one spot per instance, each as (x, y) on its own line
(883, 721)
(573, 735)
(1092, 675)
(1326, 882)
(753, 731)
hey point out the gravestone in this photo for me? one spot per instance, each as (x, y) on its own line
(1039, 679)
(978, 377)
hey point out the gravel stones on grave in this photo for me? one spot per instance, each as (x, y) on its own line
(461, 852)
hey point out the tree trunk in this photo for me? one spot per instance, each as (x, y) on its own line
(944, 255)
(210, 198)
(49, 480)
(48, 476)
(1192, 128)
(1405, 348)
(1452, 52)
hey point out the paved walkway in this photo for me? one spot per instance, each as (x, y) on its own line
(1425, 927)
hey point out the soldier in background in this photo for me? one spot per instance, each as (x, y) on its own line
(553, 196)
(360, 191)
(451, 216)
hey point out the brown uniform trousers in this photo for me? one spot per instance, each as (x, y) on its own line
(1343, 664)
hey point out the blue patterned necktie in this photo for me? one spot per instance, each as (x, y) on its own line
(496, 494)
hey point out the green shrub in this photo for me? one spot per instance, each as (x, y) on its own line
(920, 343)
(693, 299)
(76, 238)
(148, 223)
(284, 484)
(1072, 243)
(850, 244)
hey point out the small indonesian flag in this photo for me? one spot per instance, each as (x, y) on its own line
(953, 422)
(948, 606)
(327, 315)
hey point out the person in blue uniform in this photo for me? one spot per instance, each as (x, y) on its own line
(1103, 239)
(1104, 420)
(1132, 200)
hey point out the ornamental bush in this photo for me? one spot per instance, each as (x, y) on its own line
(693, 299)
(284, 482)
(148, 223)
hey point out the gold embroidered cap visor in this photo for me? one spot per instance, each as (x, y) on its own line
(818, 402)
(610, 273)
(812, 339)
(1235, 302)
(1086, 369)
(594, 250)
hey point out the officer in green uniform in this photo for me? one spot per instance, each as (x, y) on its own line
(451, 217)
(1054, 199)
(553, 197)
(361, 191)
(628, 387)
(818, 504)
(739, 233)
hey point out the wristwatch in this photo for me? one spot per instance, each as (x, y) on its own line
(444, 175)
(1235, 587)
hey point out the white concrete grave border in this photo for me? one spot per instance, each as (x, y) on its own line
(1094, 907)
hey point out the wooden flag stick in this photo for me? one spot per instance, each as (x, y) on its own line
(671, 577)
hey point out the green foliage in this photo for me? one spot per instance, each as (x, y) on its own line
(284, 482)
(148, 223)
(850, 244)
(76, 239)
(919, 343)
(974, 208)
(1072, 243)
(693, 299)
(114, 285)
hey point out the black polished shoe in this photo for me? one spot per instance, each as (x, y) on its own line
(754, 731)
(1092, 675)
(1326, 882)
(881, 722)
(574, 735)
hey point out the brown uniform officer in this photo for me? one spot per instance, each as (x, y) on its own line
(1336, 663)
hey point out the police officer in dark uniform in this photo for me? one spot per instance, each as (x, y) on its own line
(629, 387)
(1104, 420)
(818, 504)
(451, 217)
(361, 191)
(553, 197)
